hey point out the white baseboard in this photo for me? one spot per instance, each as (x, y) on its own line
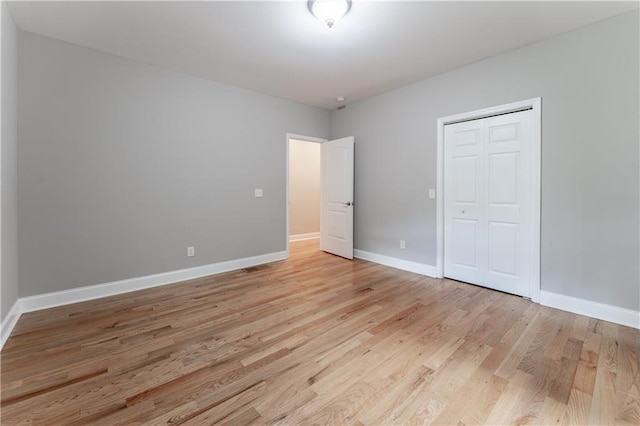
(9, 322)
(302, 237)
(394, 262)
(81, 294)
(614, 314)
(597, 310)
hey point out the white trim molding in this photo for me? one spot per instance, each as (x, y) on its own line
(535, 104)
(601, 311)
(394, 262)
(614, 314)
(82, 294)
(9, 322)
(303, 237)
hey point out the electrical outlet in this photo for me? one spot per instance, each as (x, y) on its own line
(257, 192)
(191, 251)
(402, 244)
(432, 193)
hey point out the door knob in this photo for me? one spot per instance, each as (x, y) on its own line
(461, 211)
(348, 203)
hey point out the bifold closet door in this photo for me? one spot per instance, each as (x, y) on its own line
(487, 195)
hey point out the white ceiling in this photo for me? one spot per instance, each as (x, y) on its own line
(279, 48)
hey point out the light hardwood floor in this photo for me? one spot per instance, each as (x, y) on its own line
(320, 340)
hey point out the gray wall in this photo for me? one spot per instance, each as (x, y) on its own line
(9, 205)
(588, 81)
(123, 165)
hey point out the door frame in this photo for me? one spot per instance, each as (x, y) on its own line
(535, 104)
(302, 138)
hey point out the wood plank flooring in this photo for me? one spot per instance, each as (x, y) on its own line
(318, 339)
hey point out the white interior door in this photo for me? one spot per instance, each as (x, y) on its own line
(463, 210)
(487, 192)
(336, 218)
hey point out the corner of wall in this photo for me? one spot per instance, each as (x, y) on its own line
(9, 322)
(8, 166)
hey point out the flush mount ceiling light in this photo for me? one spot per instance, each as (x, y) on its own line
(329, 11)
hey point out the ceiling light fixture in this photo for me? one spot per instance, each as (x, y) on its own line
(329, 11)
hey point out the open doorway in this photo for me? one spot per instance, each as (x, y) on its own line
(335, 180)
(303, 188)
